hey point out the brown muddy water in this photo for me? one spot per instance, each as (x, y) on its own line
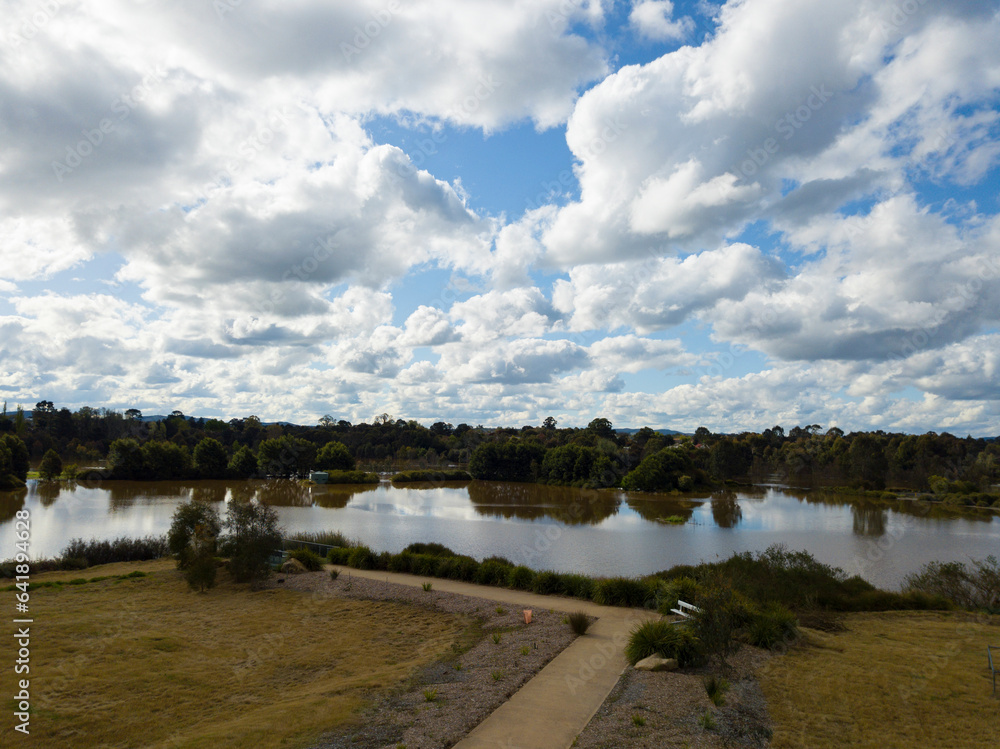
(605, 532)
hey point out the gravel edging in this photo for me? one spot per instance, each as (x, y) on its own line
(669, 705)
(466, 689)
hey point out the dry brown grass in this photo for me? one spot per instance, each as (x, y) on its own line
(144, 662)
(901, 679)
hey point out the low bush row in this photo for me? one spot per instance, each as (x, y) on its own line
(432, 475)
(351, 477)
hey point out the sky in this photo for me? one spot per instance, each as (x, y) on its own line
(673, 214)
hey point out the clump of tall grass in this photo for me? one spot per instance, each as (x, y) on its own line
(579, 622)
(323, 538)
(660, 637)
(123, 549)
(716, 687)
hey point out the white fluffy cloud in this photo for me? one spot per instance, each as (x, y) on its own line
(654, 20)
(808, 186)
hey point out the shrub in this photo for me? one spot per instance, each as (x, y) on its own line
(361, 558)
(402, 562)
(723, 612)
(118, 550)
(579, 622)
(434, 475)
(716, 688)
(324, 538)
(578, 586)
(193, 525)
(351, 477)
(340, 555)
(201, 567)
(972, 586)
(548, 583)
(660, 637)
(771, 626)
(669, 593)
(310, 559)
(253, 536)
(493, 571)
(521, 578)
(458, 568)
(334, 574)
(623, 591)
(426, 565)
(434, 549)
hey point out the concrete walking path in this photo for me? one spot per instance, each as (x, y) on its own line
(551, 710)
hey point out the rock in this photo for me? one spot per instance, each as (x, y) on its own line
(656, 663)
(293, 567)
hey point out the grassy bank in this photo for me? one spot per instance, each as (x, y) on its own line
(793, 579)
(891, 680)
(130, 661)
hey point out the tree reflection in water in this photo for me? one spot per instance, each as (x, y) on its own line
(658, 507)
(10, 503)
(47, 492)
(869, 519)
(534, 501)
(726, 511)
(336, 496)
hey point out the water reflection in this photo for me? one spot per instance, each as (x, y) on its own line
(10, 503)
(210, 491)
(869, 520)
(125, 494)
(533, 502)
(659, 507)
(46, 491)
(726, 511)
(336, 496)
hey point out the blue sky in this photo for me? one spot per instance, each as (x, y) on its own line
(670, 214)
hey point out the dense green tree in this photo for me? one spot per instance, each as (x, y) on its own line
(20, 461)
(334, 456)
(867, 462)
(243, 464)
(211, 459)
(286, 456)
(729, 459)
(602, 428)
(125, 459)
(165, 460)
(51, 466)
(513, 460)
(660, 472)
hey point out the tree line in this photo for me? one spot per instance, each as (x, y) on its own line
(181, 447)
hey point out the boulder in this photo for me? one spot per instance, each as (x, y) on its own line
(656, 663)
(293, 567)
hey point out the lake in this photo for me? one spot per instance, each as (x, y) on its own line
(604, 532)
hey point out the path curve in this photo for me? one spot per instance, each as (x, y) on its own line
(553, 707)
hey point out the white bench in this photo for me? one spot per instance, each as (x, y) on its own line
(685, 610)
